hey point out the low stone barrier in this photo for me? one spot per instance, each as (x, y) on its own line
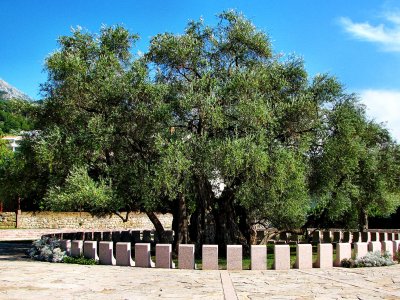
(143, 255)
(132, 236)
(76, 248)
(375, 246)
(210, 257)
(303, 256)
(258, 257)
(103, 252)
(343, 251)
(186, 257)
(324, 256)
(106, 256)
(123, 255)
(90, 250)
(281, 257)
(387, 247)
(396, 247)
(164, 256)
(360, 249)
(234, 257)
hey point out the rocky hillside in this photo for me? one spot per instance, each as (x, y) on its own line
(7, 91)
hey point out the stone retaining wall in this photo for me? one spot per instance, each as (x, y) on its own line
(84, 220)
(7, 220)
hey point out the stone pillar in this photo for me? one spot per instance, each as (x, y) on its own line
(337, 236)
(107, 236)
(76, 248)
(347, 237)
(387, 247)
(146, 236)
(98, 236)
(143, 255)
(281, 257)
(186, 257)
(365, 237)
(374, 236)
(383, 236)
(124, 255)
(396, 247)
(303, 256)
(210, 257)
(88, 236)
(375, 246)
(258, 257)
(343, 251)
(125, 236)
(234, 257)
(65, 245)
(135, 236)
(360, 249)
(324, 256)
(356, 237)
(317, 237)
(116, 236)
(326, 236)
(164, 256)
(90, 250)
(106, 256)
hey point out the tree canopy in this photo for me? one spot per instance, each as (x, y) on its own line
(15, 116)
(212, 126)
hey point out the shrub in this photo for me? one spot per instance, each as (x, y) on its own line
(46, 249)
(372, 259)
(347, 263)
(79, 260)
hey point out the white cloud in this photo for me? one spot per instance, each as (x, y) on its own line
(384, 107)
(387, 36)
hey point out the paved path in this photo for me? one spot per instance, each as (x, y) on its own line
(21, 278)
(28, 234)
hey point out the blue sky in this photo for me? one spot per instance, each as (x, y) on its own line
(358, 41)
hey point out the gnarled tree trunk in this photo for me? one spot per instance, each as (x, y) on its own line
(363, 220)
(227, 219)
(180, 222)
(202, 222)
(158, 226)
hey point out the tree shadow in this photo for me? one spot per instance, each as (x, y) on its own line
(14, 251)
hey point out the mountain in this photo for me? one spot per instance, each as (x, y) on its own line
(7, 91)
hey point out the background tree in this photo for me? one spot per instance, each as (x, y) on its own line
(16, 116)
(100, 121)
(355, 168)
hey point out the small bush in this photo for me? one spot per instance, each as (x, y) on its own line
(46, 249)
(347, 263)
(79, 260)
(397, 256)
(372, 259)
